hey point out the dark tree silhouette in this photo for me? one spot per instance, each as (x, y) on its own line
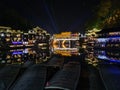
(107, 15)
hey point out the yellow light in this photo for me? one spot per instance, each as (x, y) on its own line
(55, 44)
(62, 35)
(63, 45)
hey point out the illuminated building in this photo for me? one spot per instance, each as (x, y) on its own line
(65, 44)
(16, 39)
(4, 29)
(31, 37)
(10, 38)
(4, 37)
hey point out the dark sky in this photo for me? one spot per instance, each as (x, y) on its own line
(52, 15)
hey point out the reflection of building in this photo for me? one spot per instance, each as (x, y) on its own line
(20, 56)
(107, 45)
(109, 56)
(108, 39)
(11, 57)
(65, 44)
(90, 43)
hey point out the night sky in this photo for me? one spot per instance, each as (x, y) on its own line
(52, 15)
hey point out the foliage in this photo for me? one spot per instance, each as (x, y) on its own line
(107, 15)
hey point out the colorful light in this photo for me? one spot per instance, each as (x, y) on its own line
(16, 42)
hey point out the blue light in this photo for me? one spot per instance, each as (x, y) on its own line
(102, 39)
(103, 52)
(116, 61)
(114, 37)
(17, 42)
(103, 57)
(17, 52)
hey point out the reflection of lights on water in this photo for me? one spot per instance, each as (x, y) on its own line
(20, 55)
(8, 61)
(102, 57)
(102, 39)
(2, 34)
(114, 37)
(3, 61)
(91, 59)
(109, 56)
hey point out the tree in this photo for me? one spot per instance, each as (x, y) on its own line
(107, 15)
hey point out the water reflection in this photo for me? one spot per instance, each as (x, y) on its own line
(20, 56)
(103, 56)
(91, 59)
(110, 56)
